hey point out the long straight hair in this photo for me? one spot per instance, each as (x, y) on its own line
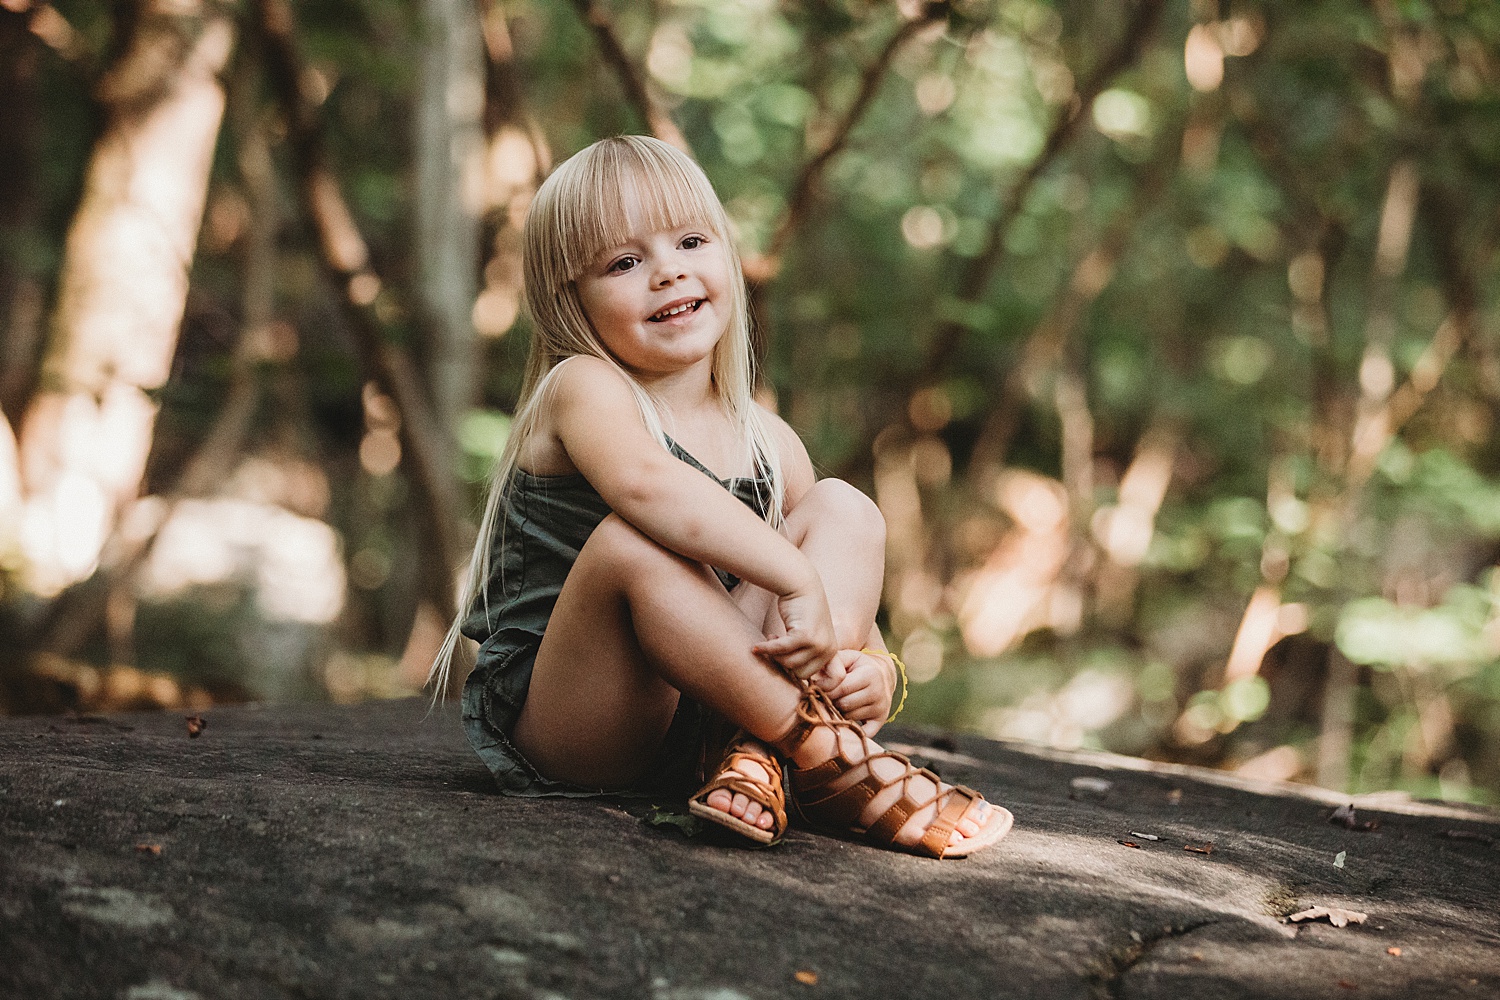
(582, 209)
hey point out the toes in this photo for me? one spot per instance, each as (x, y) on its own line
(765, 820)
(752, 812)
(739, 805)
(719, 799)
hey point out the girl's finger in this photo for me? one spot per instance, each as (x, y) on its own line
(855, 700)
(780, 646)
(848, 686)
(836, 672)
(800, 663)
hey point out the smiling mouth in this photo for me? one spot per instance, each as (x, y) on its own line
(678, 310)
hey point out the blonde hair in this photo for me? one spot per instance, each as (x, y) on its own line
(581, 210)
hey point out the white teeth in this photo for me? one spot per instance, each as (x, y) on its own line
(675, 311)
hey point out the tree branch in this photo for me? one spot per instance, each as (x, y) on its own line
(504, 93)
(631, 79)
(812, 171)
(1459, 328)
(1047, 346)
(981, 270)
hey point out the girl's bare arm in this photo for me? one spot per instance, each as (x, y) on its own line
(593, 415)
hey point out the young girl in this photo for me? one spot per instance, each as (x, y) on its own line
(657, 561)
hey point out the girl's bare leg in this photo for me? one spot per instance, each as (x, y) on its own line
(634, 625)
(842, 533)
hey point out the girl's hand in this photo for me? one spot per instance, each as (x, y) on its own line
(861, 685)
(809, 643)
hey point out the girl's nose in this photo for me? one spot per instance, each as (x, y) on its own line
(665, 278)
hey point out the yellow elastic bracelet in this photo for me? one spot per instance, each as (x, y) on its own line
(901, 667)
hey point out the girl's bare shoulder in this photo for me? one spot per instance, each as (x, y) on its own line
(577, 388)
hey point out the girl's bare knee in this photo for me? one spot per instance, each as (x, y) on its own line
(625, 550)
(836, 501)
(616, 540)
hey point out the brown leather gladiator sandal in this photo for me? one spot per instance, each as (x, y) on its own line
(833, 795)
(770, 794)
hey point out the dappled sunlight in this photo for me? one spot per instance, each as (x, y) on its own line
(351, 677)
(62, 532)
(1281, 763)
(380, 448)
(1203, 58)
(1125, 529)
(292, 562)
(119, 688)
(1258, 632)
(1163, 350)
(1088, 702)
(1014, 591)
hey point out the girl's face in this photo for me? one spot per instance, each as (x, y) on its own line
(660, 301)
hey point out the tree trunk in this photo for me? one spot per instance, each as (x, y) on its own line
(86, 434)
(20, 290)
(449, 199)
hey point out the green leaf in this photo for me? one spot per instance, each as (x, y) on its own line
(688, 824)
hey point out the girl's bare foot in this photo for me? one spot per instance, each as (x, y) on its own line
(738, 804)
(889, 801)
(745, 794)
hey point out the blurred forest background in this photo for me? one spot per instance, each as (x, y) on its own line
(1165, 335)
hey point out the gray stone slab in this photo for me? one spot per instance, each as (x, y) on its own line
(319, 851)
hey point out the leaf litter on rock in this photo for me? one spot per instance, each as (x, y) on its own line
(1207, 848)
(1336, 915)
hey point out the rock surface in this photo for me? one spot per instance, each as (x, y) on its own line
(315, 851)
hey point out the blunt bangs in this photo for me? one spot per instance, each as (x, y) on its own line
(626, 186)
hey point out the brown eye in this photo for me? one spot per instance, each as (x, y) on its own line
(692, 242)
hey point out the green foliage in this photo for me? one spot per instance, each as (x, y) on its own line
(1243, 301)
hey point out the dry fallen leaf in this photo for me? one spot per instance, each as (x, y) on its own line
(1131, 843)
(196, 724)
(806, 976)
(1095, 787)
(1348, 985)
(1393, 951)
(1344, 816)
(1207, 848)
(1469, 835)
(1337, 916)
(151, 849)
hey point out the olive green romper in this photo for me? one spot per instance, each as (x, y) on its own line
(545, 523)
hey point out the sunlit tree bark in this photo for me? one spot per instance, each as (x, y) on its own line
(449, 197)
(86, 434)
